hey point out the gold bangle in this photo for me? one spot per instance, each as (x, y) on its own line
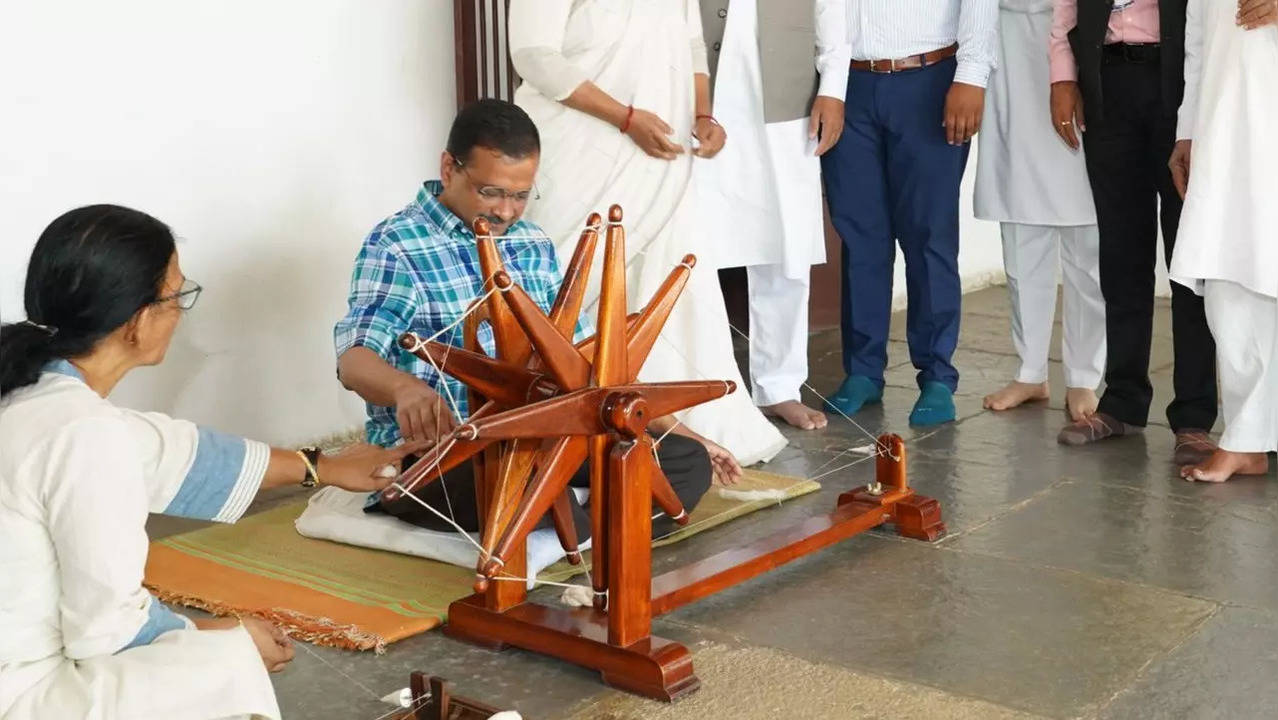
(310, 467)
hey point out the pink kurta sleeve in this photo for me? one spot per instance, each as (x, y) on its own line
(1064, 19)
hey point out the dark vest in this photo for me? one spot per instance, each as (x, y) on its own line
(787, 53)
(1088, 38)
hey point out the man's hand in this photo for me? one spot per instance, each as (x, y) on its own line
(652, 135)
(366, 468)
(712, 137)
(826, 123)
(964, 106)
(422, 414)
(272, 644)
(1179, 165)
(1067, 111)
(726, 470)
(1253, 14)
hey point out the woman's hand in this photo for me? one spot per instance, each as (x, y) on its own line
(712, 137)
(652, 135)
(1254, 14)
(272, 644)
(365, 468)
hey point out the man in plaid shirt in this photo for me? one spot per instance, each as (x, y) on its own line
(419, 270)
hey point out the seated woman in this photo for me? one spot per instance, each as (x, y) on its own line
(79, 635)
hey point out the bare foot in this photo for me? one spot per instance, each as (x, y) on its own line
(1223, 465)
(1080, 403)
(797, 414)
(1017, 393)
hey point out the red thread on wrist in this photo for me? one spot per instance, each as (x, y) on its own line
(630, 114)
(708, 117)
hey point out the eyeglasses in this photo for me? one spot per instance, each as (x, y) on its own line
(495, 194)
(186, 295)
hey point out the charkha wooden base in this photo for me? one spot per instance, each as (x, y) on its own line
(653, 667)
(662, 669)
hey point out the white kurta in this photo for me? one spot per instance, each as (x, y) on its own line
(764, 188)
(1229, 225)
(639, 52)
(79, 635)
(1025, 173)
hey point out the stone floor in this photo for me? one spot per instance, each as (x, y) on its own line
(1072, 583)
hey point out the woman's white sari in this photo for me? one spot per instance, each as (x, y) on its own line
(640, 52)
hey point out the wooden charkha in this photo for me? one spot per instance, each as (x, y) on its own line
(545, 406)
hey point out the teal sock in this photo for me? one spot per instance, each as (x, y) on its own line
(935, 405)
(855, 392)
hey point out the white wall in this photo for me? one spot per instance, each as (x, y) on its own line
(270, 135)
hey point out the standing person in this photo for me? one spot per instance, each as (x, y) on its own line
(1228, 246)
(1118, 77)
(778, 72)
(1035, 186)
(618, 90)
(80, 637)
(915, 98)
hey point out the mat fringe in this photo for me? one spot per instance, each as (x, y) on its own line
(307, 628)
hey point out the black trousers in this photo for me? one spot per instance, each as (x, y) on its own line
(683, 460)
(1127, 153)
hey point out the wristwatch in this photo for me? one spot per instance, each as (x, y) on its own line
(310, 455)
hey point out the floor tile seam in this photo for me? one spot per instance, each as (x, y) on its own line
(1143, 670)
(1015, 507)
(1269, 509)
(1104, 579)
(867, 670)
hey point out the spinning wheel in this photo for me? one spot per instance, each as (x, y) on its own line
(545, 405)
(573, 401)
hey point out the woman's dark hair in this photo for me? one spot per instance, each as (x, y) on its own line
(495, 124)
(91, 270)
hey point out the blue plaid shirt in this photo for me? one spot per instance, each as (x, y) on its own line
(419, 270)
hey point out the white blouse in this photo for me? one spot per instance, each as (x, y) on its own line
(78, 476)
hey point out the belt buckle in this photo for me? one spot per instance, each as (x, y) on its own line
(876, 64)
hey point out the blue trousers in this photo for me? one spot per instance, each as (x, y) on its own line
(892, 178)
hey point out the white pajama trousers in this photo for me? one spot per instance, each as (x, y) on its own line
(778, 334)
(1245, 325)
(1030, 255)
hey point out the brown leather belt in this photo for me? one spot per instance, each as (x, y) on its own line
(913, 62)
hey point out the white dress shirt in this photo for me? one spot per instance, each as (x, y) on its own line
(833, 52)
(895, 29)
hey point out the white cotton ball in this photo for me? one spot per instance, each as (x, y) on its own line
(506, 715)
(387, 471)
(400, 698)
(578, 596)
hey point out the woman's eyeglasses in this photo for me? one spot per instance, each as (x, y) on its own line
(185, 296)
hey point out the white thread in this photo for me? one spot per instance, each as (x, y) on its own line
(482, 552)
(475, 305)
(337, 670)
